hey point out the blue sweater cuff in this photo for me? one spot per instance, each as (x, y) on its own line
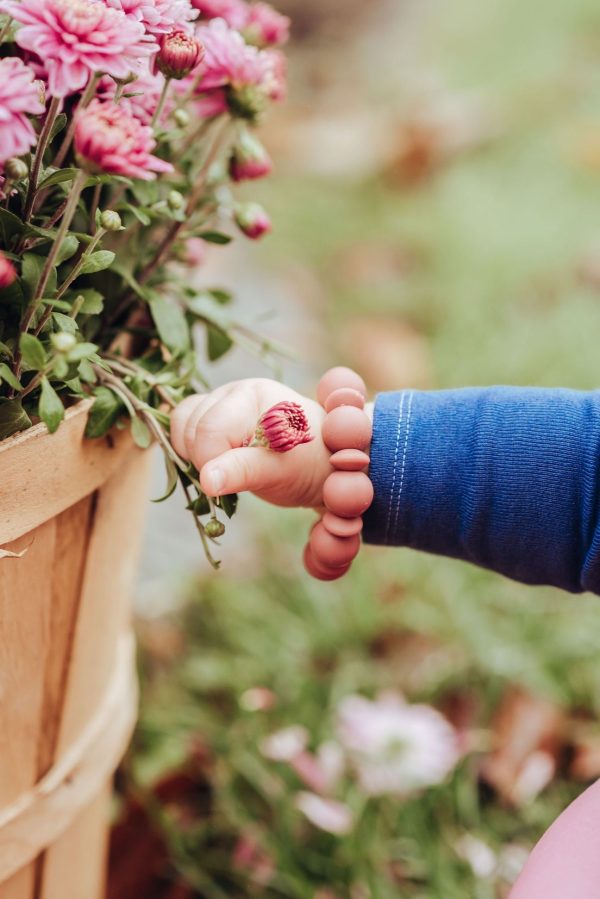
(503, 477)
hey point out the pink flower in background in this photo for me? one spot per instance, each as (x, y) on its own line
(157, 16)
(235, 12)
(179, 53)
(396, 747)
(145, 91)
(19, 97)
(326, 814)
(265, 26)
(252, 220)
(109, 139)
(251, 76)
(249, 159)
(77, 38)
(283, 427)
(284, 745)
(7, 272)
(249, 856)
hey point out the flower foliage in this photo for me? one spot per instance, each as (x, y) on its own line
(124, 125)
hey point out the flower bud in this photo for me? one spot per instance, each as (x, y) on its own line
(7, 272)
(182, 118)
(282, 428)
(63, 341)
(249, 159)
(214, 528)
(110, 220)
(15, 169)
(175, 200)
(252, 220)
(179, 53)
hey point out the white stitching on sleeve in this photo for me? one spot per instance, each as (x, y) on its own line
(400, 416)
(397, 515)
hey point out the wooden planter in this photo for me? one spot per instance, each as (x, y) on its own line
(67, 675)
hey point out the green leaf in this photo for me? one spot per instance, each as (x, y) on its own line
(172, 479)
(9, 226)
(141, 432)
(60, 367)
(139, 212)
(221, 296)
(5, 350)
(67, 248)
(228, 504)
(93, 301)
(86, 372)
(131, 281)
(57, 177)
(65, 322)
(97, 262)
(171, 323)
(32, 352)
(7, 375)
(59, 123)
(218, 342)
(82, 351)
(13, 417)
(32, 269)
(50, 407)
(215, 237)
(104, 413)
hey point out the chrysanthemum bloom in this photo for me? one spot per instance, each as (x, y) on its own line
(78, 38)
(145, 94)
(246, 76)
(249, 159)
(282, 428)
(19, 97)
(396, 747)
(7, 272)
(109, 139)
(235, 12)
(266, 27)
(252, 220)
(179, 53)
(157, 16)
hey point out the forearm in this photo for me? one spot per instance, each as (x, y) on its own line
(503, 477)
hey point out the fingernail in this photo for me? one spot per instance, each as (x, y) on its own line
(216, 480)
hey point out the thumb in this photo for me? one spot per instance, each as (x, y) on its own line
(249, 468)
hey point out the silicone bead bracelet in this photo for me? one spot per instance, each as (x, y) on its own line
(347, 493)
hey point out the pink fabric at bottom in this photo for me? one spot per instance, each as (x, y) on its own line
(565, 864)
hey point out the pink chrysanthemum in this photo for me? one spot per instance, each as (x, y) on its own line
(77, 38)
(109, 139)
(141, 97)
(235, 12)
(266, 27)
(283, 427)
(157, 16)
(249, 75)
(19, 97)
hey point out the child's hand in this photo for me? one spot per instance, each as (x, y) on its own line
(210, 429)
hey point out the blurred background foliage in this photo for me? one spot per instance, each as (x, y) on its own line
(437, 211)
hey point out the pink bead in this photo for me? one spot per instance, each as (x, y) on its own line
(344, 396)
(349, 460)
(348, 493)
(347, 428)
(339, 377)
(318, 571)
(330, 551)
(342, 527)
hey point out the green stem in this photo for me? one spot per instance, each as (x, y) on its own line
(85, 101)
(118, 92)
(161, 103)
(94, 207)
(39, 156)
(80, 262)
(5, 28)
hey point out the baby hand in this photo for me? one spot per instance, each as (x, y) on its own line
(210, 431)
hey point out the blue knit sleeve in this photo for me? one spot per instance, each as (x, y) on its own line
(504, 477)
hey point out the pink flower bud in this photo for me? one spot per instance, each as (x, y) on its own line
(283, 427)
(249, 159)
(252, 220)
(7, 272)
(179, 53)
(266, 27)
